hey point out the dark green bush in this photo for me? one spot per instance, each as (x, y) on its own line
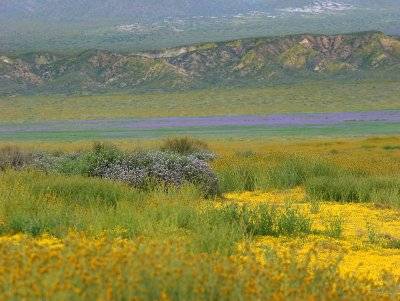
(101, 157)
(393, 243)
(261, 221)
(184, 145)
(292, 222)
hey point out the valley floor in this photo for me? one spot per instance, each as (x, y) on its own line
(308, 110)
(306, 97)
(287, 125)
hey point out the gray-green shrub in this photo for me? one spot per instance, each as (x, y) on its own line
(144, 170)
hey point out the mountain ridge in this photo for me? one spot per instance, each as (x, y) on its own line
(229, 63)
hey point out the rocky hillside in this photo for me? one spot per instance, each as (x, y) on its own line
(238, 62)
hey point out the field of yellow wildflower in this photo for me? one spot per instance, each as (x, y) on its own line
(300, 220)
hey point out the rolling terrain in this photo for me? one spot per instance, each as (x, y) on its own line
(189, 150)
(242, 62)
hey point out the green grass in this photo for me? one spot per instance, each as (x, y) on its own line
(290, 171)
(242, 177)
(322, 179)
(322, 96)
(355, 188)
(295, 171)
(180, 241)
(35, 203)
(357, 129)
(391, 147)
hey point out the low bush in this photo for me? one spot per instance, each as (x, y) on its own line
(14, 157)
(88, 163)
(101, 157)
(292, 222)
(184, 145)
(262, 222)
(334, 227)
(144, 170)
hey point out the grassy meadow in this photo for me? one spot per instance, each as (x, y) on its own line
(293, 219)
(57, 117)
(246, 213)
(306, 97)
(352, 129)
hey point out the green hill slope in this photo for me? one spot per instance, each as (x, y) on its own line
(257, 61)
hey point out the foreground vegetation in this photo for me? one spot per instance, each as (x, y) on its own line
(311, 220)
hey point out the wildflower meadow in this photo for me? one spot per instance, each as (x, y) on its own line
(183, 219)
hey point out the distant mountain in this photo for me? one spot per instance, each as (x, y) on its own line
(154, 24)
(239, 62)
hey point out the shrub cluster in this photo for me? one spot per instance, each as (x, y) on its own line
(184, 145)
(13, 157)
(143, 170)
